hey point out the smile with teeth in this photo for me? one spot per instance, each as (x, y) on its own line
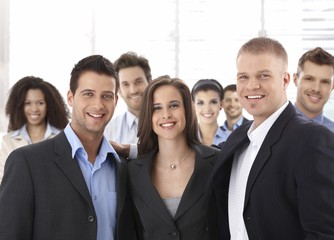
(255, 96)
(315, 97)
(207, 114)
(95, 115)
(167, 124)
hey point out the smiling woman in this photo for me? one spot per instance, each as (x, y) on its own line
(36, 111)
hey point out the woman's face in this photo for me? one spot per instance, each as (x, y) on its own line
(207, 106)
(168, 117)
(35, 108)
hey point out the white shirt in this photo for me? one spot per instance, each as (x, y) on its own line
(123, 129)
(242, 163)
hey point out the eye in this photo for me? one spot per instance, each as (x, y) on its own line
(199, 103)
(242, 77)
(156, 108)
(125, 84)
(108, 96)
(264, 76)
(174, 105)
(327, 82)
(308, 78)
(27, 103)
(41, 103)
(214, 102)
(139, 82)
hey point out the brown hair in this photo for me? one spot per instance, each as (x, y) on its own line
(318, 56)
(147, 137)
(131, 59)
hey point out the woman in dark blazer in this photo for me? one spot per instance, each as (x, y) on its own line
(168, 179)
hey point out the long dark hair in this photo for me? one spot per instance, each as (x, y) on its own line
(147, 137)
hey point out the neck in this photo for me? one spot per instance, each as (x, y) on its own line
(36, 132)
(172, 151)
(134, 112)
(231, 122)
(308, 114)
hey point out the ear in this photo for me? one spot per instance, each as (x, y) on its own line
(295, 79)
(70, 98)
(221, 104)
(286, 80)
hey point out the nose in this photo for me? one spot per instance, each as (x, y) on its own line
(166, 115)
(253, 83)
(316, 86)
(98, 103)
(35, 107)
(133, 88)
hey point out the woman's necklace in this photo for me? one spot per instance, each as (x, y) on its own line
(174, 165)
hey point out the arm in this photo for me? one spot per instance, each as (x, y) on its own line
(16, 199)
(125, 150)
(315, 185)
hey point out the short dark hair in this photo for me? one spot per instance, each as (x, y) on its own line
(318, 56)
(231, 87)
(131, 59)
(95, 63)
(147, 137)
(57, 111)
(205, 85)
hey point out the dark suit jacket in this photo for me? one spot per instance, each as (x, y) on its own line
(189, 222)
(43, 195)
(290, 188)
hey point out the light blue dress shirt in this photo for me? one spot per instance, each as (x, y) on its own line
(218, 138)
(319, 119)
(100, 178)
(226, 131)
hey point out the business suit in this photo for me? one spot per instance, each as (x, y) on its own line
(189, 221)
(44, 196)
(290, 188)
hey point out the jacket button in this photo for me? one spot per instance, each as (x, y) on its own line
(91, 219)
(174, 234)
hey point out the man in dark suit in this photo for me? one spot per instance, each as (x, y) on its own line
(275, 178)
(74, 185)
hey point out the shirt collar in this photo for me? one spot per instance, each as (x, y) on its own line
(318, 119)
(131, 119)
(258, 134)
(76, 144)
(236, 125)
(50, 130)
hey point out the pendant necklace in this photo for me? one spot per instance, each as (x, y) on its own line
(174, 165)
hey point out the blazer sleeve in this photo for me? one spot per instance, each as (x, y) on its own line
(315, 184)
(16, 199)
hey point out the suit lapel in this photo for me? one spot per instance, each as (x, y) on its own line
(195, 188)
(121, 183)
(149, 194)
(70, 167)
(264, 153)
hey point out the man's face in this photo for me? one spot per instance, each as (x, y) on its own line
(314, 86)
(261, 84)
(132, 86)
(93, 103)
(232, 105)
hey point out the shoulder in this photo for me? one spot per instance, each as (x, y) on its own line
(118, 119)
(207, 152)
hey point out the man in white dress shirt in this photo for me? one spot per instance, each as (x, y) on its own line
(134, 75)
(274, 178)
